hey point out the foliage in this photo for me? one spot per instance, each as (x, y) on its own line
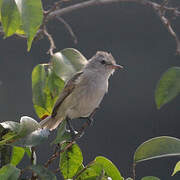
(26, 18)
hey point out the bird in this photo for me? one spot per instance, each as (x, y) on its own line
(84, 92)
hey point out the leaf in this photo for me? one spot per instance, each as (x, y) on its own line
(96, 168)
(43, 172)
(17, 155)
(67, 62)
(5, 152)
(55, 84)
(9, 172)
(70, 160)
(28, 151)
(89, 173)
(46, 87)
(10, 17)
(168, 86)
(62, 134)
(31, 15)
(176, 169)
(33, 139)
(75, 57)
(150, 178)
(27, 133)
(0, 8)
(62, 67)
(38, 85)
(9, 138)
(109, 168)
(162, 146)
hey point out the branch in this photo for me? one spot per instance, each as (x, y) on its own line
(159, 8)
(68, 27)
(167, 24)
(90, 3)
(52, 45)
(58, 151)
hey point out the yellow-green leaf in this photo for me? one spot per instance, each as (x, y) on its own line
(31, 17)
(176, 169)
(10, 17)
(70, 161)
(17, 155)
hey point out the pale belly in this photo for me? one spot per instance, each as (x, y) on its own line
(83, 101)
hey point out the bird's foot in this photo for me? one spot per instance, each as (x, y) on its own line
(90, 121)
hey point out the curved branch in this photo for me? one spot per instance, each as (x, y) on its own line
(90, 3)
(155, 6)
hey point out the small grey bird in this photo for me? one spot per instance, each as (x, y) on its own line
(84, 92)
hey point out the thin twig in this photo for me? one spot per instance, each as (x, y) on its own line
(134, 171)
(34, 176)
(68, 27)
(52, 45)
(167, 24)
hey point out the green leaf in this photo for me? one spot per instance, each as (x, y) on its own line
(150, 178)
(67, 62)
(10, 17)
(28, 151)
(75, 57)
(99, 165)
(17, 155)
(31, 15)
(9, 172)
(88, 174)
(5, 152)
(168, 86)
(46, 87)
(70, 161)
(62, 134)
(176, 169)
(109, 168)
(0, 8)
(54, 84)
(162, 146)
(27, 133)
(38, 86)
(43, 172)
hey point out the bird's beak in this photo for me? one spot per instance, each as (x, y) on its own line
(116, 66)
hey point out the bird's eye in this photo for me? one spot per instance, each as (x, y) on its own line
(103, 62)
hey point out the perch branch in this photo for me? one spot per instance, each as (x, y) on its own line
(59, 151)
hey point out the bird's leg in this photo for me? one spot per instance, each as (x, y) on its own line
(90, 119)
(72, 131)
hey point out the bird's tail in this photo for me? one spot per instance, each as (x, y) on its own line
(50, 123)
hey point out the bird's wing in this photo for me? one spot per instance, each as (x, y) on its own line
(68, 89)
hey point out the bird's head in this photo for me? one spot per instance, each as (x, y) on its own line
(103, 63)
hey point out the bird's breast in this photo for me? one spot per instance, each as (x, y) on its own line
(87, 97)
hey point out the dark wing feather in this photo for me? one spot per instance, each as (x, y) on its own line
(66, 92)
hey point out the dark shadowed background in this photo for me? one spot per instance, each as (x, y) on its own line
(128, 115)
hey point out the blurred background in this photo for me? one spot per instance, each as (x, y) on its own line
(128, 116)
